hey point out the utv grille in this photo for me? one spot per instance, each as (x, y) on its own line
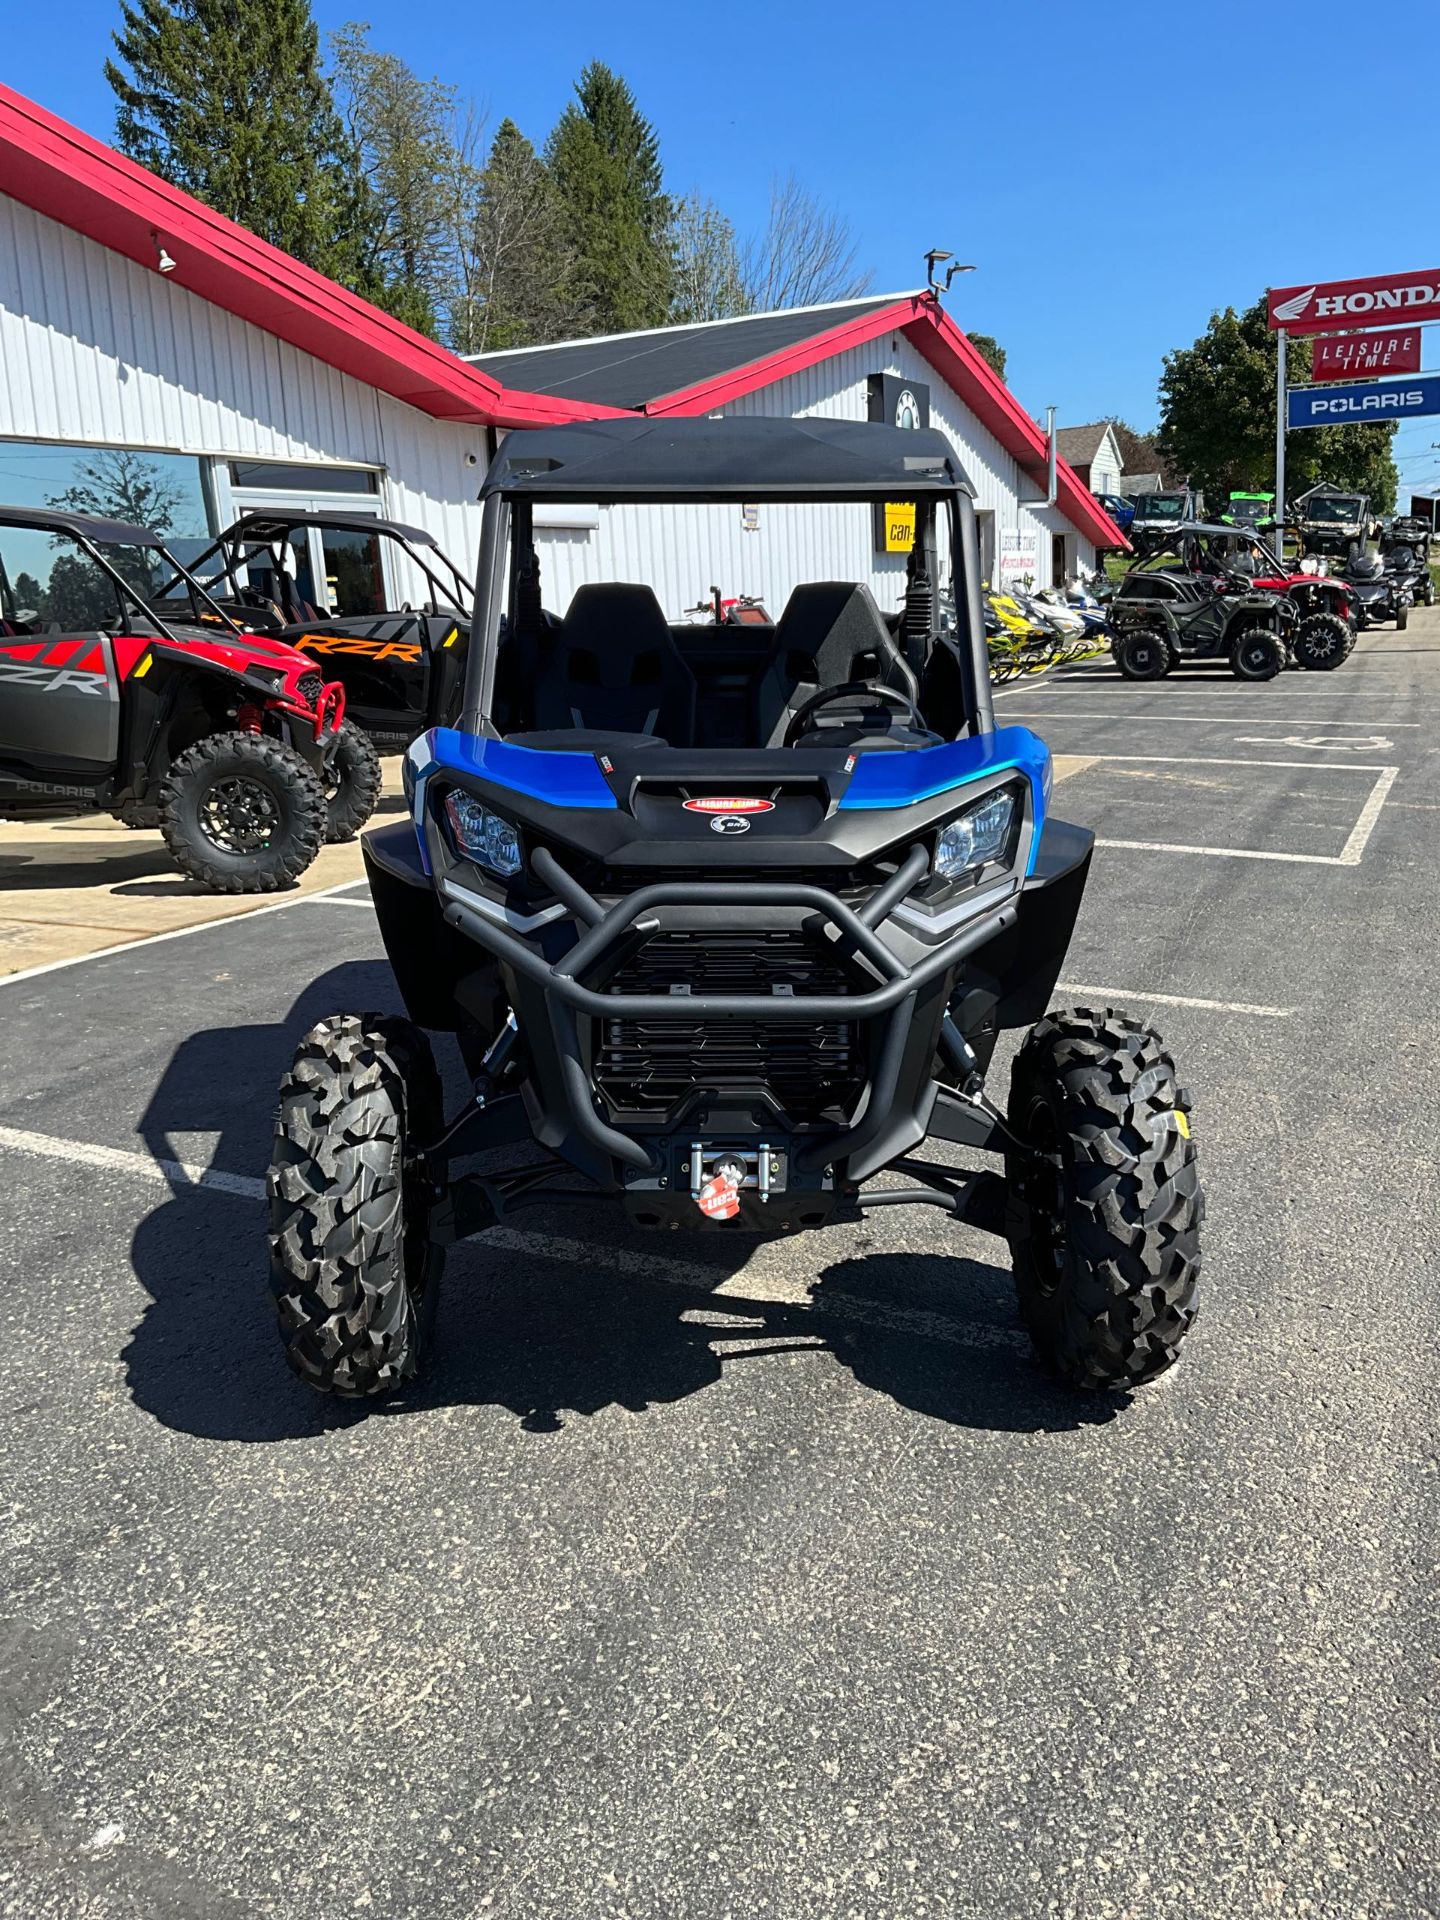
(310, 686)
(813, 1069)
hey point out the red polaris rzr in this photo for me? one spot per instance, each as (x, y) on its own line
(230, 742)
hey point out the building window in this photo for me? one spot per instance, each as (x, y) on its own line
(161, 491)
(45, 580)
(275, 476)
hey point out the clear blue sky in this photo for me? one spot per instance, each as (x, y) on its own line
(1064, 147)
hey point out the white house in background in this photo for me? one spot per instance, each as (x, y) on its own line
(1094, 453)
(135, 320)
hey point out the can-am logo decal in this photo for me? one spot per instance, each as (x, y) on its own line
(712, 804)
(1315, 308)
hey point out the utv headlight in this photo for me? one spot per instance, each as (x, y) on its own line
(980, 834)
(482, 835)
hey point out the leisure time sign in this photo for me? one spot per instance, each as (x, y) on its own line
(1329, 305)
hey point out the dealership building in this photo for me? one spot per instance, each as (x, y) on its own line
(149, 344)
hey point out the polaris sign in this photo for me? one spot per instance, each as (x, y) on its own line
(1364, 400)
(1328, 305)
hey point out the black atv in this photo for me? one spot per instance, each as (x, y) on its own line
(1382, 595)
(1165, 615)
(1405, 555)
(230, 742)
(400, 661)
(730, 950)
(1158, 514)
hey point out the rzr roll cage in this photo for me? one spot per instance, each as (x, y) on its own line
(92, 535)
(271, 532)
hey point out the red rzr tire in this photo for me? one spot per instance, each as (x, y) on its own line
(352, 781)
(242, 813)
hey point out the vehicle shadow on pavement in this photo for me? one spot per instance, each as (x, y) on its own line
(524, 1324)
(976, 1370)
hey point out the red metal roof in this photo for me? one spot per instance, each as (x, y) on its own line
(65, 174)
(928, 328)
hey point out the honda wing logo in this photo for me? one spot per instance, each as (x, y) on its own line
(1355, 303)
(1292, 308)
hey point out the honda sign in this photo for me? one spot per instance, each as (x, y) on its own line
(1334, 303)
(1345, 356)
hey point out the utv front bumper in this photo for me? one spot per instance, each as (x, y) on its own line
(766, 1023)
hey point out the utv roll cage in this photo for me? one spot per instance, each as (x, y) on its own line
(271, 529)
(759, 461)
(92, 534)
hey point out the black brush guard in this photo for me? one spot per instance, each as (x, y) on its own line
(904, 1021)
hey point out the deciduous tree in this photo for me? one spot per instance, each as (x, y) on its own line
(709, 272)
(1217, 418)
(804, 257)
(519, 282)
(408, 134)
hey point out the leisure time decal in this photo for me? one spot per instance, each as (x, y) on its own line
(1327, 305)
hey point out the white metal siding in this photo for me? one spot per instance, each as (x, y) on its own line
(98, 350)
(1106, 467)
(683, 551)
(95, 349)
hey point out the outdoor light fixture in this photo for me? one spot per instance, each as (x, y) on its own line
(164, 259)
(932, 264)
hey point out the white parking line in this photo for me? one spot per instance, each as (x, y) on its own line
(1202, 720)
(169, 1173)
(1348, 856)
(178, 933)
(1113, 996)
(655, 1268)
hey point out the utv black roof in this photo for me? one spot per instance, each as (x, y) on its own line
(85, 526)
(268, 524)
(1183, 527)
(746, 460)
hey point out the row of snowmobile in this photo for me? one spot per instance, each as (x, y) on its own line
(1027, 632)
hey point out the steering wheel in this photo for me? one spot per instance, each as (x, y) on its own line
(804, 715)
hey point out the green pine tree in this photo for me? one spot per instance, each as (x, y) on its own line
(605, 161)
(227, 99)
(990, 351)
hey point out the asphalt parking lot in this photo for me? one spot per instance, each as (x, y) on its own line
(695, 1584)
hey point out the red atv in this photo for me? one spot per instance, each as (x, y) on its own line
(165, 714)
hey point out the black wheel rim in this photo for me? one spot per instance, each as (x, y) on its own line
(1256, 658)
(239, 815)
